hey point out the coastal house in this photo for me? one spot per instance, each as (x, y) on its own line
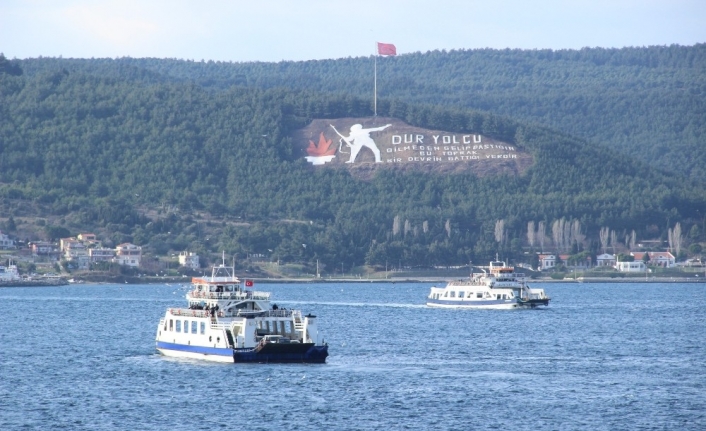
(65, 243)
(101, 254)
(5, 242)
(605, 260)
(636, 266)
(87, 237)
(41, 248)
(128, 254)
(76, 253)
(546, 261)
(664, 259)
(189, 260)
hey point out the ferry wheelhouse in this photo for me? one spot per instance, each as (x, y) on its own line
(498, 288)
(225, 321)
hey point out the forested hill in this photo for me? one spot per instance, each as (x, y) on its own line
(173, 165)
(648, 103)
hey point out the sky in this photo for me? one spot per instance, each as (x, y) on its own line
(296, 30)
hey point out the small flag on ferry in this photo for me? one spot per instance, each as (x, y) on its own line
(386, 49)
(249, 283)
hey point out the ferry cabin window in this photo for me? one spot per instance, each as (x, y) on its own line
(203, 328)
(171, 325)
(446, 294)
(479, 295)
(453, 294)
(178, 325)
(194, 327)
(460, 294)
(186, 326)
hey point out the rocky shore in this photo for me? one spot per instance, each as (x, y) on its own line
(34, 283)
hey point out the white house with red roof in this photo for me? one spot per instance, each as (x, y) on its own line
(664, 259)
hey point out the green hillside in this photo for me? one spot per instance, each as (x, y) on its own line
(646, 102)
(147, 155)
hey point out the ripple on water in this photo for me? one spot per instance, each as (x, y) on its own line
(601, 357)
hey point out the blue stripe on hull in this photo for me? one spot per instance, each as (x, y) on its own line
(195, 349)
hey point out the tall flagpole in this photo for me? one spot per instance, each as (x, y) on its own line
(375, 84)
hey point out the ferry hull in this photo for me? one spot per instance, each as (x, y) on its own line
(306, 353)
(488, 306)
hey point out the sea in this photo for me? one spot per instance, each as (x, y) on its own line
(600, 357)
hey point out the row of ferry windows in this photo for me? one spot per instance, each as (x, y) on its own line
(461, 294)
(177, 326)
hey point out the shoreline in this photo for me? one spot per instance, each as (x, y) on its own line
(431, 280)
(33, 283)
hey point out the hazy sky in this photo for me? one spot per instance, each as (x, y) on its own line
(275, 30)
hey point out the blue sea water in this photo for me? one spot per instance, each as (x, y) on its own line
(601, 357)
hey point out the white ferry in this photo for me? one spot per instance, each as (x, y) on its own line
(500, 288)
(9, 272)
(225, 322)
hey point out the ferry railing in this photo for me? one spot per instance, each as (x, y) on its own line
(187, 312)
(278, 313)
(258, 296)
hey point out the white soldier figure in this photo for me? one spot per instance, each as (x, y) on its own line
(360, 138)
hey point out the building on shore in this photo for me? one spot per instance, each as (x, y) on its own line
(5, 242)
(128, 254)
(189, 260)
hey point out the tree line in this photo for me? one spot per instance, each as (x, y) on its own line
(175, 164)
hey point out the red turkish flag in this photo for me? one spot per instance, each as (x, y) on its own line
(249, 283)
(386, 49)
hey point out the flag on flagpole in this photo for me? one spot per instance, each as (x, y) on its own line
(386, 49)
(249, 283)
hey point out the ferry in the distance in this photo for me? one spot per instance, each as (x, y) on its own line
(224, 322)
(500, 288)
(9, 273)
